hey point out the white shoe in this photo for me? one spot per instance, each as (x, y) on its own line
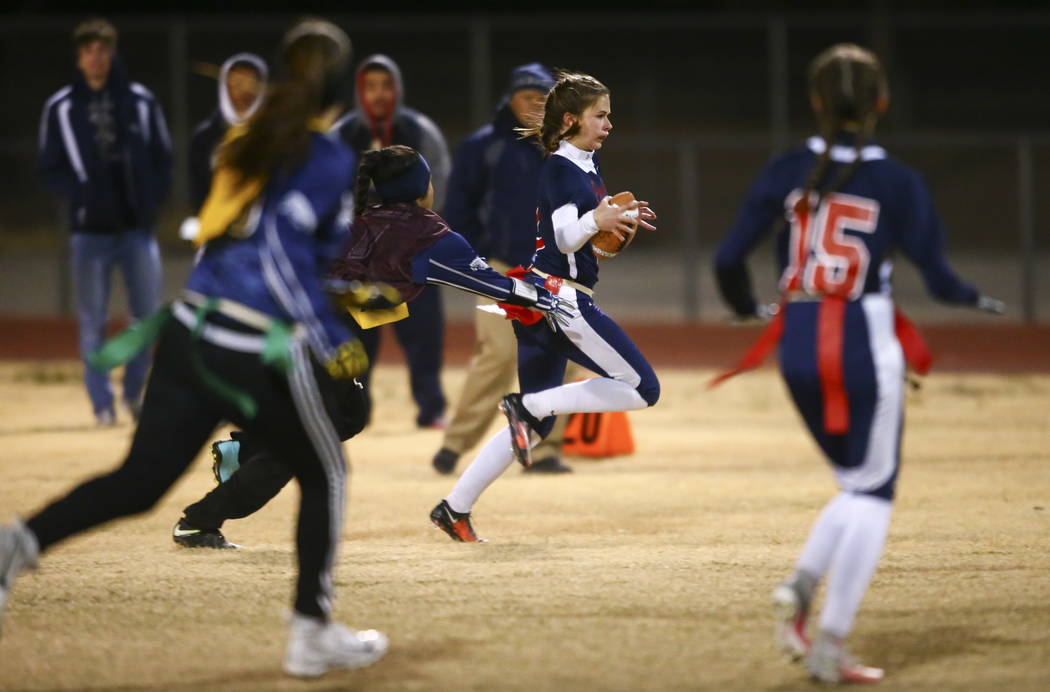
(791, 614)
(829, 662)
(18, 551)
(315, 647)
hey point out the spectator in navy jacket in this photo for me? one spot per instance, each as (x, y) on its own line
(381, 120)
(104, 148)
(492, 197)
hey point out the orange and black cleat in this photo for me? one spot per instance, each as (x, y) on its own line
(455, 524)
(521, 423)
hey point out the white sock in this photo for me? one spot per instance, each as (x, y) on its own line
(590, 396)
(824, 537)
(490, 463)
(854, 561)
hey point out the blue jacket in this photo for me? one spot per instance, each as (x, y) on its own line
(293, 233)
(493, 189)
(106, 197)
(883, 209)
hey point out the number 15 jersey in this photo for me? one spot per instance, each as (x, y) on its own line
(846, 247)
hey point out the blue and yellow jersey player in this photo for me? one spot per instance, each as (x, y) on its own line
(269, 228)
(573, 207)
(849, 209)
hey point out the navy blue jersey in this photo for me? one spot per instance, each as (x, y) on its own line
(847, 247)
(569, 177)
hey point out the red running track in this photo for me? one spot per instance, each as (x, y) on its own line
(984, 348)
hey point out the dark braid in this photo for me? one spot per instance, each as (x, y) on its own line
(850, 84)
(379, 166)
(572, 93)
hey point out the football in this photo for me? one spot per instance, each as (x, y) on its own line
(605, 243)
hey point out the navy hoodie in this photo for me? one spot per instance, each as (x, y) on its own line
(494, 184)
(124, 192)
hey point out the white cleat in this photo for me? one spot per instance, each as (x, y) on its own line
(18, 551)
(830, 663)
(791, 617)
(315, 647)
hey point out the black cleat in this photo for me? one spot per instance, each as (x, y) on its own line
(521, 423)
(456, 525)
(189, 537)
(549, 465)
(445, 461)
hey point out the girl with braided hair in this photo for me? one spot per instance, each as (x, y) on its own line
(848, 208)
(397, 247)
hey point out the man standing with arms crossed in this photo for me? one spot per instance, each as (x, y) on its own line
(104, 148)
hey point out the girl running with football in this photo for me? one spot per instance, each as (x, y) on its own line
(396, 242)
(573, 208)
(849, 207)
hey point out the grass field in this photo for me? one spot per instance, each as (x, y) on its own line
(644, 573)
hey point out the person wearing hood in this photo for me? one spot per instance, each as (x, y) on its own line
(241, 85)
(491, 201)
(380, 120)
(104, 147)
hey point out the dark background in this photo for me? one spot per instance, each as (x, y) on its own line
(719, 87)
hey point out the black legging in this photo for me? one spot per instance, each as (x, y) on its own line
(179, 415)
(261, 474)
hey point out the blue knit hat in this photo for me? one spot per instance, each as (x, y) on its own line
(411, 185)
(531, 76)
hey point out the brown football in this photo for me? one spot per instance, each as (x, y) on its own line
(605, 243)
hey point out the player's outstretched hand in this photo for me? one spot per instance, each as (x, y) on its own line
(992, 305)
(763, 313)
(349, 360)
(366, 296)
(555, 307)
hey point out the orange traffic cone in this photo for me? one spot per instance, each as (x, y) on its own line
(598, 435)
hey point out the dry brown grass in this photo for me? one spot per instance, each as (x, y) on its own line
(644, 573)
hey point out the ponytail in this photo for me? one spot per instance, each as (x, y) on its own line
(851, 86)
(572, 93)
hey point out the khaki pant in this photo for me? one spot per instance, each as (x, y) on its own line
(491, 374)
